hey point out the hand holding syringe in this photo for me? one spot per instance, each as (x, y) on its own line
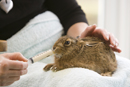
(40, 56)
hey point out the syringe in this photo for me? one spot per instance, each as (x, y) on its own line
(39, 57)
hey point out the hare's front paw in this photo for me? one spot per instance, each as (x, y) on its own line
(47, 67)
(54, 68)
(107, 74)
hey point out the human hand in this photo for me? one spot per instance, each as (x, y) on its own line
(102, 34)
(11, 69)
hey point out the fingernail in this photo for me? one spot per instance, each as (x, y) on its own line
(24, 72)
(116, 44)
(107, 37)
(25, 65)
(119, 49)
(111, 45)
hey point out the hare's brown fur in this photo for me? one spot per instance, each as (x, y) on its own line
(89, 52)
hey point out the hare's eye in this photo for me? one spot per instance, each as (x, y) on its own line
(67, 43)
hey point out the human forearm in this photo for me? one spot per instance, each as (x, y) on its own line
(68, 12)
(77, 29)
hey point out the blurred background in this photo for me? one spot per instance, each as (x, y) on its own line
(113, 16)
(90, 8)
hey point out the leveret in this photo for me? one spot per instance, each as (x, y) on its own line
(90, 53)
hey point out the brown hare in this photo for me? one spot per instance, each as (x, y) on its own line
(89, 52)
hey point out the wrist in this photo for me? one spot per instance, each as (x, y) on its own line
(77, 29)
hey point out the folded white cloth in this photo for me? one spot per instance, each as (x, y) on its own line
(75, 77)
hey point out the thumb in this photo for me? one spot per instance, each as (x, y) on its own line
(88, 31)
(15, 56)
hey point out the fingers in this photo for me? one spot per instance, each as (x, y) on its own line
(16, 72)
(15, 56)
(104, 34)
(6, 83)
(12, 73)
(116, 49)
(108, 37)
(8, 76)
(17, 64)
(11, 69)
(6, 64)
(8, 80)
(113, 40)
(114, 43)
(89, 30)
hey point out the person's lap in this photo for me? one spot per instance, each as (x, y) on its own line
(37, 36)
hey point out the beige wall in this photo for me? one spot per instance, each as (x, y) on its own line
(90, 7)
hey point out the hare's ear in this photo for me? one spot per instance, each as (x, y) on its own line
(80, 43)
(78, 37)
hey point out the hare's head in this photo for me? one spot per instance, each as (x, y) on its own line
(66, 45)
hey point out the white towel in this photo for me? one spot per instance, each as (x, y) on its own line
(75, 77)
